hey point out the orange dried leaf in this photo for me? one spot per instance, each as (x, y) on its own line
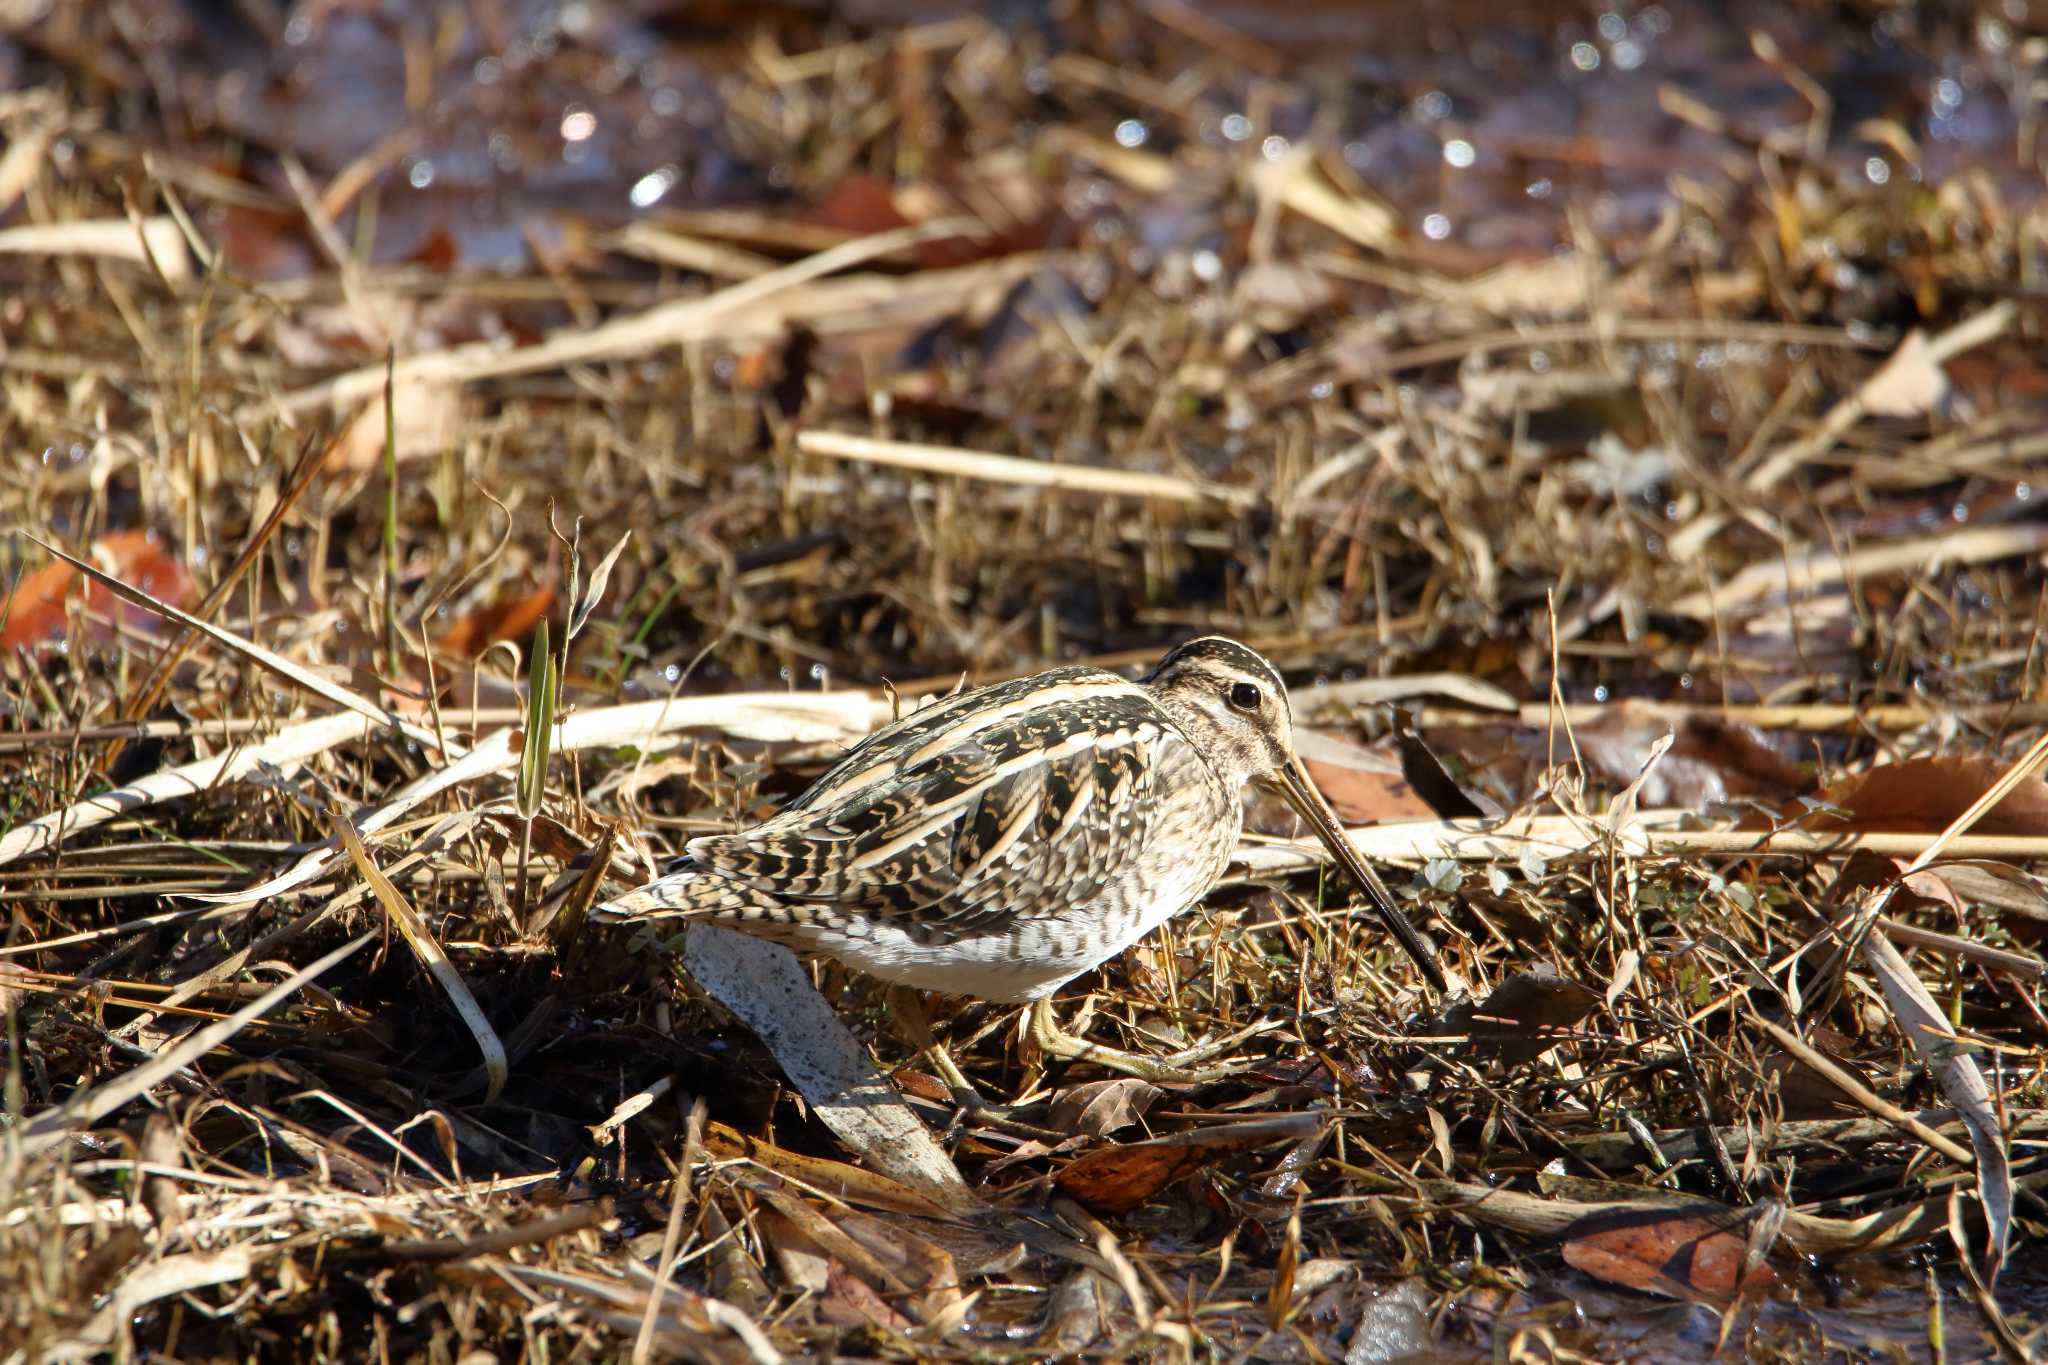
(1360, 785)
(754, 370)
(862, 204)
(1122, 1177)
(35, 610)
(41, 605)
(513, 619)
(1679, 1255)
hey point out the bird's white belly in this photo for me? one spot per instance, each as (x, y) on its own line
(1031, 958)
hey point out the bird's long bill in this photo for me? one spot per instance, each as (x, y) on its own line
(1301, 793)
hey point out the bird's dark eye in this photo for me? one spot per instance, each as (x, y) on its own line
(1244, 696)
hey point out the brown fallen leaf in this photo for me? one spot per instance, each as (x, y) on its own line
(1867, 871)
(1803, 1092)
(921, 1085)
(40, 609)
(429, 419)
(1984, 884)
(803, 1263)
(861, 204)
(925, 1268)
(551, 837)
(1100, 1108)
(1711, 760)
(507, 619)
(1923, 795)
(1525, 1016)
(1119, 1178)
(1360, 785)
(849, 1301)
(1678, 1255)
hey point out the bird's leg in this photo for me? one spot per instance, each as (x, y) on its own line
(906, 1009)
(1044, 1031)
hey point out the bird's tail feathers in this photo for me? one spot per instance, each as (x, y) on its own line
(684, 895)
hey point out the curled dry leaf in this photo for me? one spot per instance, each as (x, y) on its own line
(1280, 1296)
(594, 592)
(849, 1301)
(1102, 1107)
(1865, 872)
(1426, 775)
(1986, 885)
(1955, 1069)
(551, 838)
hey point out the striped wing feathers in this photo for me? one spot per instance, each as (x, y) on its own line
(912, 740)
(1012, 800)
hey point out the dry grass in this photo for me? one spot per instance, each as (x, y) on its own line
(1697, 475)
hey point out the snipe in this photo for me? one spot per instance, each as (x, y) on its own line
(1002, 842)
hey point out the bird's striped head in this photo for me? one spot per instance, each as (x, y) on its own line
(1231, 703)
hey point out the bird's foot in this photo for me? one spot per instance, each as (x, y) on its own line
(1174, 1069)
(1221, 1047)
